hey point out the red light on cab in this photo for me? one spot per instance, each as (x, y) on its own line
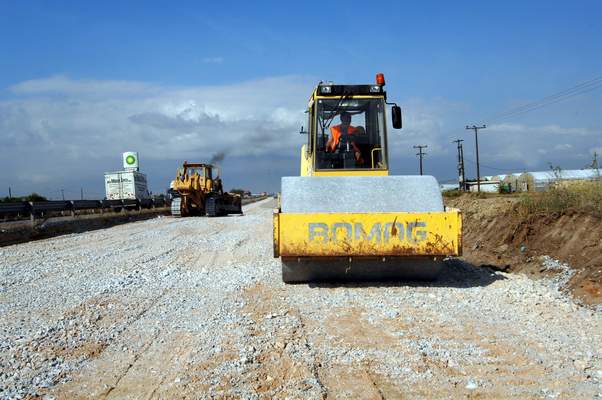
(380, 79)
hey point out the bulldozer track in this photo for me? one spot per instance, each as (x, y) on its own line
(212, 207)
(175, 207)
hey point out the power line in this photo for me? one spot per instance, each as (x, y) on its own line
(565, 94)
(494, 168)
(576, 90)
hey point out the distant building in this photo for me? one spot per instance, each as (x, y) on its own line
(510, 182)
(539, 181)
(498, 178)
(487, 186)
(128, 184)
(535, 181)
(446, 187)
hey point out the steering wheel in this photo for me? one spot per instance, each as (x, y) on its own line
(344, 145)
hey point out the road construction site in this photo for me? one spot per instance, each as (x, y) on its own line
(196, 308)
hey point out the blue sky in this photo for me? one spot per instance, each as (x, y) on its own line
(80, 82)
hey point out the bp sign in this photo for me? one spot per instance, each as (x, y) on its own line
(130, 160)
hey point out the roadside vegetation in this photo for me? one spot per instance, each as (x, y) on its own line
(240, 192)
(451, 194)
(32, 197)
(583, 197)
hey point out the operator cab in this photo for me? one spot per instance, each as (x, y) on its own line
(203, 170)
(347, 127)
(348, 145)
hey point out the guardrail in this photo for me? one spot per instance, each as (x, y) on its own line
(35, 209)
(21, 207)
(40, 207)
(86, 204)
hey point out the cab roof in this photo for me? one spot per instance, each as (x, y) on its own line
(329, 89)
(197, 165)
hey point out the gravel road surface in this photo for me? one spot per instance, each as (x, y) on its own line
(195, 308)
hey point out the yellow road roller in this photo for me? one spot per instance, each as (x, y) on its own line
(345, 218)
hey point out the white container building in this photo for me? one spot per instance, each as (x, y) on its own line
(126, 185)
(486, 186)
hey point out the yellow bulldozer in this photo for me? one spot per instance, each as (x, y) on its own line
(345, 217)
(195, 191)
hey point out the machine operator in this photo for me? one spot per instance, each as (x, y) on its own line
(344, 128)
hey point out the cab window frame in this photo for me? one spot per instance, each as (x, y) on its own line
(383, 145)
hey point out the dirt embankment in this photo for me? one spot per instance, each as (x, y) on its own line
(496, 234)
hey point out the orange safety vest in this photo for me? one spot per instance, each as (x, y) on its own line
(336, 135)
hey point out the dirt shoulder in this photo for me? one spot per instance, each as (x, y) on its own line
(13, 232)
(498, 235)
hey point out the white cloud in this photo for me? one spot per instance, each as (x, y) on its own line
(59, 131)
(514, 145)
(57, 127)
(539, 130)
(563, 146)
(100, 118)
(213, 60)
(426, 123)
(61, 85)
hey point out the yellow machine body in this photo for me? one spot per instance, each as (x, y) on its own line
(193, 186)
(353, 236)
(368, 234)
(200, 192)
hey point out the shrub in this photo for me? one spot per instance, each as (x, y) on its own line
(240, 192)
(32, 197)
(579, 196)
(452, 193)
(35, 197)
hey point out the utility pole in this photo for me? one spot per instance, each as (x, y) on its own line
(476, 142)
(461, 176)
(63, 193)
(10, 193)
(463, 169)
(420, 154)
(81, 191)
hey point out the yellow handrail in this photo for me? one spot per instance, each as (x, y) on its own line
(372, 154)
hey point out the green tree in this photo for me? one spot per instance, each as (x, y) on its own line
(238, 191)
(35, 197)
